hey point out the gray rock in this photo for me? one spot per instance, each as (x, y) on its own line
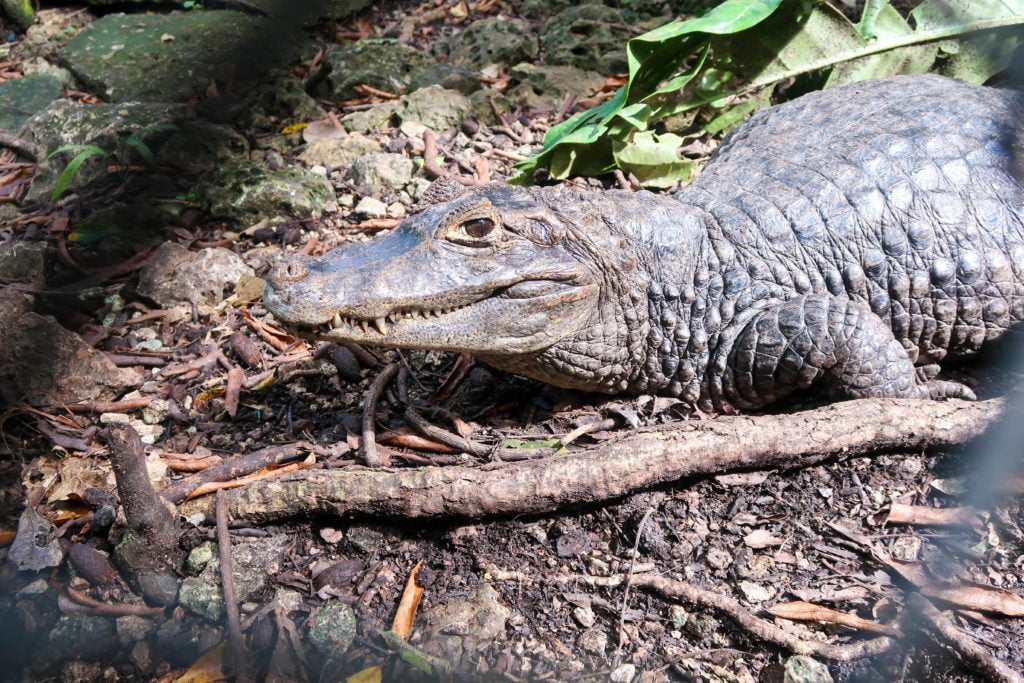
(45, 364)
(624, 673)
(76, 636)
(460, 629)
(386, 67)
(106, 126)
(198, 145)
(247, 192)
(434, 107)
(334, 152)
(36, 545)
(380, 171)
(493, 40)
(332, 629)
(588, 37)
(23, 262)
(20, 98)
(371, 208)
(132, 628)
(176, 275)
(278, 102)
(803, 669)
(593, 641)
(254, 563)
(449, 76)
(169, 57)
(547, 87)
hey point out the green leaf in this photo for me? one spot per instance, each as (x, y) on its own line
(531, 444)
(66, 176)
(739, 49)
(87, 233)
(654, 159)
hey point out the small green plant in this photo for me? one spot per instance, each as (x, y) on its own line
(192, 4)
(83, 152)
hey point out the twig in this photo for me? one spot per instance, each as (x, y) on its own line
(761, 628)
(227, 583)
(234, 467)
(25, 148)
(629, 584)
(974, 655)
(370, 454)
(417, 422)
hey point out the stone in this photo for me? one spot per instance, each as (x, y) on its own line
(547, 87)
(803, 669)
(371, 208)
(449, 76)
(198, 145)
(588, 36)
(278, 102)
(106, 126)
(493, 40)
(76, 636)
(172, 56)
(434, 107)
(23, 262)
(382, 66)
(380, 171)
(461, 629)
(45, 364)
(594, 642)
(254, 563)
(246, 192)
(624, 673)
(36, 545)
(335, 152)
(20, 98)
(333, 629)
(176, 275)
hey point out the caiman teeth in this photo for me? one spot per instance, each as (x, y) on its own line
(382, 323)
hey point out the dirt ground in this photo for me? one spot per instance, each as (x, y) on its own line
(684, 581)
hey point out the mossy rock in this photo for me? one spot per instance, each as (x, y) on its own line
(246, 193)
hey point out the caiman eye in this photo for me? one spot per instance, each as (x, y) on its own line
(478, 228)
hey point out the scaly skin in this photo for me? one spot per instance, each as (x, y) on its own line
(849, 240)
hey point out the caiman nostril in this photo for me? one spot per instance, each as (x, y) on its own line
(289, 270)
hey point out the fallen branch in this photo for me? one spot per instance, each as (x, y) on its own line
(615, 468)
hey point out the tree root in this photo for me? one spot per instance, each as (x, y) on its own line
(635, 461)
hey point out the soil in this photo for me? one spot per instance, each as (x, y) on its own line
(572, 585)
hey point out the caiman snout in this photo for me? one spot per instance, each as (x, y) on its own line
(289, 270)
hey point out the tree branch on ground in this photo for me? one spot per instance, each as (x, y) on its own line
(635, 461)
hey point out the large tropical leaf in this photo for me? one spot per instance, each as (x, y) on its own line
(727, 60)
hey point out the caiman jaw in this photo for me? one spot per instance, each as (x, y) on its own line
(340, 322)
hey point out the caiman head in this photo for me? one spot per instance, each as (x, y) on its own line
(487, 271)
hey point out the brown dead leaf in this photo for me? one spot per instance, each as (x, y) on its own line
(900, 513)
(761, 538)
(265, 473)
(213, 665)
(742, 478)
(233, 392)
(806, 611)
(324, 129)
(968, 595)
(402, 625)
(373, 674)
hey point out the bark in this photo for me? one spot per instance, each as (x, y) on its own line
(635, 461)
(147, 551)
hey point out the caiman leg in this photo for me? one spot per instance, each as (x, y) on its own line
(837, 344)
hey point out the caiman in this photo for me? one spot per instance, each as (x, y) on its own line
(848, 241)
